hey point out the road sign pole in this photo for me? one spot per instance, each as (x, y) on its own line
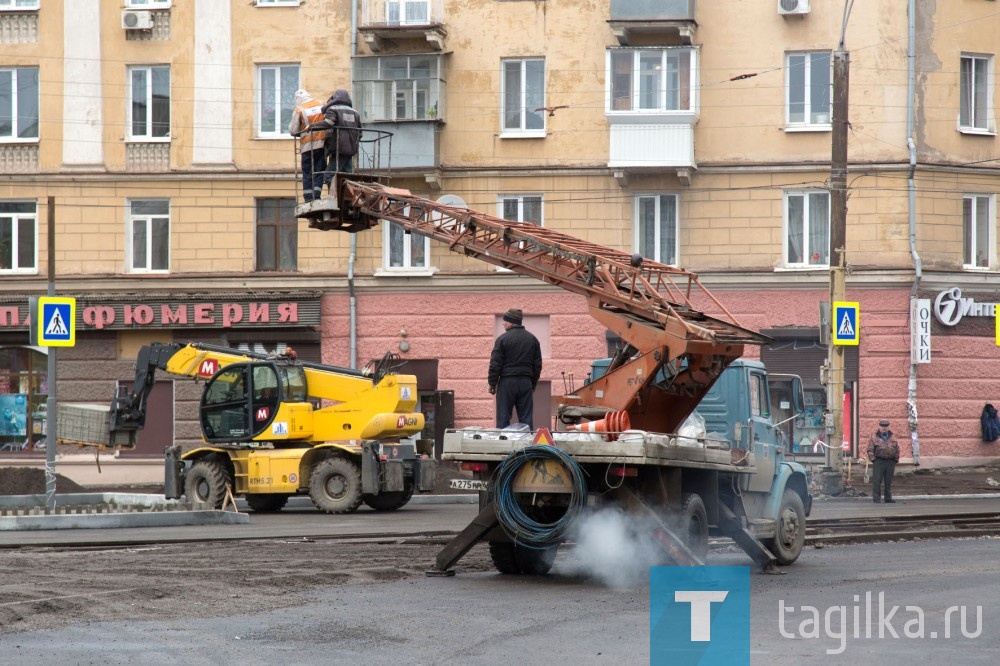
(50, 401)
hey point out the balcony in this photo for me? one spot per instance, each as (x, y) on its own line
(652, 109)
(385, 22)
(658, 20)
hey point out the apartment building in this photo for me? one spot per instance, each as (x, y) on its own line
(151, 136)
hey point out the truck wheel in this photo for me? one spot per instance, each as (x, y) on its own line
(335, 486)
(389, 501)
(512, 558)
(502, 554)
(791, 529)
(206, 483)
(266, 502)
(694, 525)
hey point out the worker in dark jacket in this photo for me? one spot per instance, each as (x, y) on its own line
(515, 366)
(883, 451)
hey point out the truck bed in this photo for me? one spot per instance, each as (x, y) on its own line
(633, 448)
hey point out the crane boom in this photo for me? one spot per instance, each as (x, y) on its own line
(675, 351)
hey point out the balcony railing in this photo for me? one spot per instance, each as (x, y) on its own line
(652, 146)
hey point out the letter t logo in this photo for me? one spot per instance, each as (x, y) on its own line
(701, 611)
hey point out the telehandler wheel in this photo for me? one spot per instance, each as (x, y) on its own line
(335, 485)
(266, 502)
(512, 558)
(206, 483)
(694, 525)
(389, 501)
(791, 529)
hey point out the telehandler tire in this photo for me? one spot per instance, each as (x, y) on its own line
(694, 525)
(266, 502)
(791, 529)
(512, 558)
(335, 485)
(206, 483)
(389, 501)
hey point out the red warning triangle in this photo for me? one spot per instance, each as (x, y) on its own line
(543, 437)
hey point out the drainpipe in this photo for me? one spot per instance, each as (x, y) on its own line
(911, 391)
(354, 237)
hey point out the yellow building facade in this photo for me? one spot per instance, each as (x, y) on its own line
(152, 136)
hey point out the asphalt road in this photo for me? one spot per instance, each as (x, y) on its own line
(485, 618)
(289, 596)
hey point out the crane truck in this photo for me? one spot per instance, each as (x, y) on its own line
(618, 443)
(268, 435)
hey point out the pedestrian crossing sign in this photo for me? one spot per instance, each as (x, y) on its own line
(56, 317)
(846, 323)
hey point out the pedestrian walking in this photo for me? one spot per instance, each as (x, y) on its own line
(883, 451)
(515, 366)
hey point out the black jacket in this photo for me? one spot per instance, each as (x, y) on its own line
(990, 423)
(516, 353)
(344, 125)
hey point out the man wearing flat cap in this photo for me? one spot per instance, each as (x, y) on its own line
(515, 366)
(883, 451)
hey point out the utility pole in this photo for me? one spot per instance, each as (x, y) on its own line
(833, 482)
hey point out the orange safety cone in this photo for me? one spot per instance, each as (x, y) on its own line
(614, 422)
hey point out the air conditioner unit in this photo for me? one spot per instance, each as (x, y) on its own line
(793, 7)
(141, 20)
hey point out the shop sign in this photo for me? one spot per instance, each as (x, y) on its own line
(224, 314)
(920, 330)
(950, 306)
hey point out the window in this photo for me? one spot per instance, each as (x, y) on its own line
(521, 208)
(976, 230)
(407, 12)
(149, 231)
(652, 79)
(149, 103)
(18, 103)
(394, 88)
(808, 89)
(976, 94)
(277, 235)
(18, 4)
(656, 227)
(276, 86)
(523, 94)
(758, 396)
(807, 229)
(18, 236)
(402, 250)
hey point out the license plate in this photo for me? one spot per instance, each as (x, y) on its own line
(468, 484)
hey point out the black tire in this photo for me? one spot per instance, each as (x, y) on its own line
(266, 502)
(335, 485)
(694, 525)
(791, 529)
(511, 558)
(389, 501)
(206, 483)
(502, 554)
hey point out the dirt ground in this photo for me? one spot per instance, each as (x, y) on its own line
(49, 588)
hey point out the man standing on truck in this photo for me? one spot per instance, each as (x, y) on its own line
(308, 111)
(515, 366)
(883, 450)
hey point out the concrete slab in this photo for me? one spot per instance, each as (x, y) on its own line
(105, 511)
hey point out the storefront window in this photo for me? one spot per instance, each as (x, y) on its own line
(23, 393)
